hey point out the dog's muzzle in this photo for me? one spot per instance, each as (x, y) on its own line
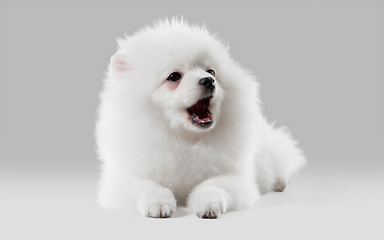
(208, 83)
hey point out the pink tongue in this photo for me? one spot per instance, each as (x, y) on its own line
(199, 108)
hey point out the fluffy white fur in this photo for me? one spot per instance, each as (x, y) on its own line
(154, 158)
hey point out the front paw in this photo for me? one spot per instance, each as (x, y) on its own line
(157, 202)
(209, 202)
(161, 209)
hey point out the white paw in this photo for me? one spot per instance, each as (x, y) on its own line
(161, 209)
(209, 202)
(157, 202)
(280, 185)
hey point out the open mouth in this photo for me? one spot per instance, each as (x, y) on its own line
(200, 114)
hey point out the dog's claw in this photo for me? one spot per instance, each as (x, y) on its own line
(209, 215)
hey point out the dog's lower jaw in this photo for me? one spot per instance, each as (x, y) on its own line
(202, 124)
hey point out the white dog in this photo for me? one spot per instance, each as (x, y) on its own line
(180, 123)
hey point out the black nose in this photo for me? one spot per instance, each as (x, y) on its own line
(208, 83)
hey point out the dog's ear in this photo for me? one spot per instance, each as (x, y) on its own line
(119, 63)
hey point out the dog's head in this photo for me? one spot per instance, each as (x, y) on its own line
(180, 69)
(191, 98)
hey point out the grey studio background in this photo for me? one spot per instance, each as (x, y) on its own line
(320, 64)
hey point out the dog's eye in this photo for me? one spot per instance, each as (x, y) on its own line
(211, 72)
(174, 76)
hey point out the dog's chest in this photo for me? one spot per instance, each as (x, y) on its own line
(187, 165)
